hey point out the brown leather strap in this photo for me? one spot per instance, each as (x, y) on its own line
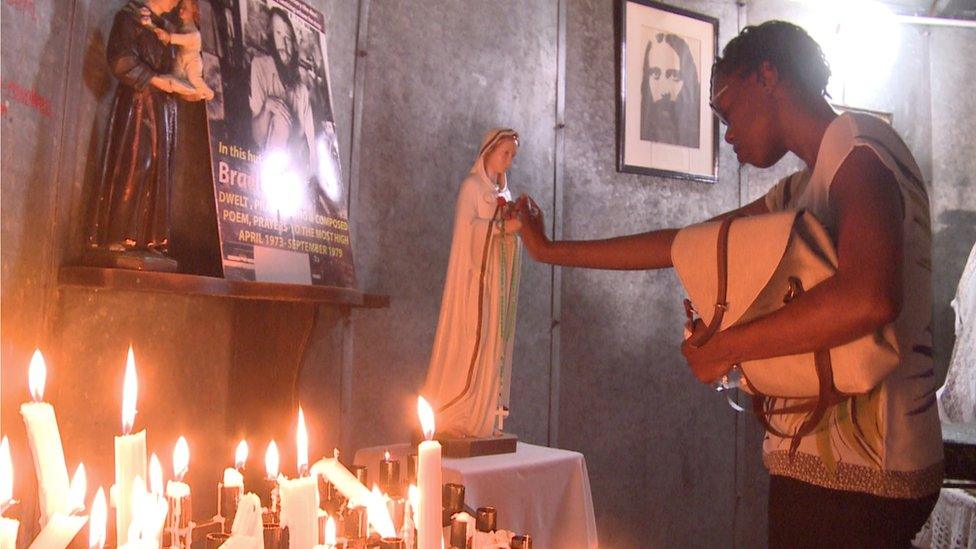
(701, 337)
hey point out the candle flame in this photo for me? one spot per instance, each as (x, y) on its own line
(330, 531)
(240, 455)
(181, 458)
(130, 389)
(155, 475)
(6, 473)
(378, 514)
(426, 414)
(96, 523)
(413, 496)
(271, 460)
(78, 489)
(36, 376)
(386, 455)
(301, 442)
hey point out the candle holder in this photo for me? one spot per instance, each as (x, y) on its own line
(392, 543)
(486, 519)
(273, 510)
(228, 497)
(390, 476)
(459, 534)
(216, 539)
(274, 536)
(522, 542)
(178, 521)
(411, 469)
(453, 502)
(355, 524)
(362, 474)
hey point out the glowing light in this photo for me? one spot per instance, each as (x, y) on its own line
(240, 455)
(36, 376)
(130, 390)
(96, 523)
(328, 170)
(271, 460)
(78, 489)
(413, 496)
(155, 475)
(426, 414)
(386, 455)
(330, 532)
(378, 514)
(181, 458)
(281, 184)
(301, 442)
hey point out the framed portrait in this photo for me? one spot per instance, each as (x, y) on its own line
(665, 126)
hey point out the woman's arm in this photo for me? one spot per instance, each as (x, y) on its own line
(650, 250)
(864, 294)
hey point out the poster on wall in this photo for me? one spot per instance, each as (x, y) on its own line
(281, 204)
(665, 126)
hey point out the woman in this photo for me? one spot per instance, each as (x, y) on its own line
(869, 475)
(470, 367)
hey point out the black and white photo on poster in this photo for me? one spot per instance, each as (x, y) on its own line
(664, 124)
(280, 197)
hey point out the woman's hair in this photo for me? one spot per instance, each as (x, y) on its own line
(789, 48)
(194, 10)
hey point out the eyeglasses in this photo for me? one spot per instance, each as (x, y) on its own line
(715, 110)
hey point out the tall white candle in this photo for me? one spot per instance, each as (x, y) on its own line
(8, 527)
(130, 452)
(429, 530)
(299, 511)
(63, 526)
(45, 443)
(378, 514)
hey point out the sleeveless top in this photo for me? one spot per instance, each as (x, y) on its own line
(888, 442)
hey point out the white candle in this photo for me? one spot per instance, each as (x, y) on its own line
(299, 510)
(330, 532)
(130, 452)
(45, 443)
(156, 506)
(63, 526)
(233, 478)
(96, 525)
(247, 531)
(8, 527)
(177, 491)
(378, 514)
(343, 480)
(429, 530)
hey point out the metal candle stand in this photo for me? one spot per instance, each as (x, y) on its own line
(228, 497)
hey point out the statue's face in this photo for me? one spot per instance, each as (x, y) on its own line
(500, 158)
(664, 76)
(284, 42)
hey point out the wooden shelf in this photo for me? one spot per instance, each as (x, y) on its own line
(187, 284)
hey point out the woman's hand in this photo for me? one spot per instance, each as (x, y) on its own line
(710, 361)
(162, 35)
(533, 229)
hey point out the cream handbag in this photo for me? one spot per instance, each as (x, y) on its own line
(744, 268)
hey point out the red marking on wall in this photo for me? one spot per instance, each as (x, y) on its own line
(30, 97)
(24, 6)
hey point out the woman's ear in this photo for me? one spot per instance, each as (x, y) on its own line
(768, 76)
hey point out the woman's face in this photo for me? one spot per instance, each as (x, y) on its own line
(284, 42)
(500, 158)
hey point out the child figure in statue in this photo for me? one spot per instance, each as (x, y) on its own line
(188, 65)
(470, 367)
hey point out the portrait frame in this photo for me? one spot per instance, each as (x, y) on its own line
(665, 126)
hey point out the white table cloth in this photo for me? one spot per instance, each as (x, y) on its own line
(543, 492)
(952, 522)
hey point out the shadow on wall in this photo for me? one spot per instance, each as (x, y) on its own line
(952, 244)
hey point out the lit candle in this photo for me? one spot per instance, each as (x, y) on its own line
(330, 533)
(248, 529)
(96, 524)
(343, 480)
(429, 532)
(63, 526)
(389, 474)
(300, 497)
(232, 487)
(45, 443)
(130, 451)
(271, 461)
(8, 527)
(156, 506)
(177, 491)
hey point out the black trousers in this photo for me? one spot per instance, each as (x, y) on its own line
(806, 515)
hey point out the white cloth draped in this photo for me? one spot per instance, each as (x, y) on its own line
(957, 398)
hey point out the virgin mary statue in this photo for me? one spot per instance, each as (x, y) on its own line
(470, 367)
